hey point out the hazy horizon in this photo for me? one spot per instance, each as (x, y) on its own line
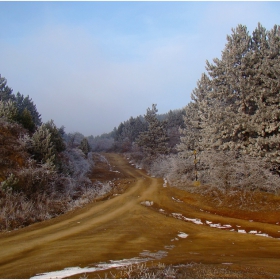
(91, 65)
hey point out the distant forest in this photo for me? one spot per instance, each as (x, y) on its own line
(227, 137)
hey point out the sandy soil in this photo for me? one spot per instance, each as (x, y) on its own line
(176, 228)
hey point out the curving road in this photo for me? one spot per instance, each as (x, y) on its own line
(172, 229)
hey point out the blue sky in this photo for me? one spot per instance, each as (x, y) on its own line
(91, 65)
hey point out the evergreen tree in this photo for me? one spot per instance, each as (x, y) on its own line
(26, 120)
(8, 110)
(154, 141)
(56, 136)
(84, 146)
(6, 93)
(27, 103)
(237, 106)
(42, 148)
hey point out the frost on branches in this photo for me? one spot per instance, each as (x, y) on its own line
(236, 105)
(154, 141)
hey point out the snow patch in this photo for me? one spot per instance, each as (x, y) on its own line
(147, 203)
(263, 234)
(177, 200)
(70, 271)
(165, 182)
(253, 231)
(183, 235)
(219, 226)
(181, 217)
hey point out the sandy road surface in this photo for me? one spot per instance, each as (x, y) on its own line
(175, 229)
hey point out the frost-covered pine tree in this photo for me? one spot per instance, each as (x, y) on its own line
(42, 147)
(84, 146)
(6, 93)
(154, 141)
(197, 117)
(266, 46)
(56, 136)
(237, 104)
(8, 110)
(231, 93)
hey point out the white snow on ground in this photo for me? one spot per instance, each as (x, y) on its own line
(218, 225)
(263, 234)
(181, 217)
(147, 203)
(174, 239)
(176, 199)
(165, 182)
(70, 271)
(183, 235)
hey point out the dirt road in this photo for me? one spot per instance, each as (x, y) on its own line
(146, 222)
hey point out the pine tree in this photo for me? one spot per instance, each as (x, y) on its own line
(237, 104)
(56, 136)
(27, 103)
(85, 147)
(42, 147)
(26, 120)
(198, 119)
(6, 93)
(154, 141)
(8, 110)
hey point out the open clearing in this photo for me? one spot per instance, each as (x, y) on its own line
(143, 221)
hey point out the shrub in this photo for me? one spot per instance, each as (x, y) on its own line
(8, 110)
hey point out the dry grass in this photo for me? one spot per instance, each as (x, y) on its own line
(183, 271)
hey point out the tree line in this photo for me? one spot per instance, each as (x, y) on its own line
(227, 137)
(43, 170)
(232, 120)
